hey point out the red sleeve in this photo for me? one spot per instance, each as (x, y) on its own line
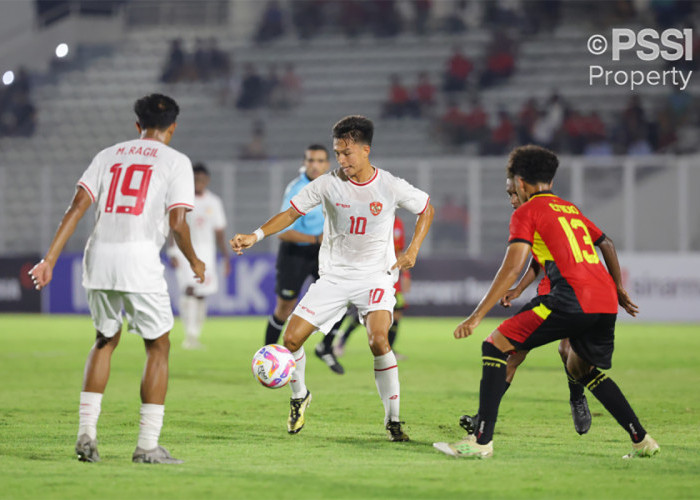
(597, 236)
(522, 226)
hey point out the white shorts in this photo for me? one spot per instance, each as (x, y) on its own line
(186, 278)
(148, 314)
(327, 299)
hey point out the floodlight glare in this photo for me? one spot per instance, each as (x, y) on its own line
(61, 50)
(8, 77)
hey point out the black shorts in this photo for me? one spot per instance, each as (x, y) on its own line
(592, 336)
(295, 263)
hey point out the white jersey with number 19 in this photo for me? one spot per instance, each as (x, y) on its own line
(359, 219)
(134, 185)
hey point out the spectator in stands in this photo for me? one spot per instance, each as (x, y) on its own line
(634, 126)
(451, 221)
(666, 133)
(353, 17)
(271, 24)
(500, 61)
(252, 92)
(256, 148)
(680, 105)
(456, 20)
(450, 128)
(423, 96)
(24, 115)
(175, 65)
(459, 67)
(397, 104)
(271, 85)
(218, 60)
(476, 123)
(526, 121)
(201, 61)
(308, 17)
(290, 88)
(421, 15)
(502, 135)
(385, 18)
(574, 131)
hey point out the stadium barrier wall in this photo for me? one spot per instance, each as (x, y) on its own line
(666, 286)
(17, 292)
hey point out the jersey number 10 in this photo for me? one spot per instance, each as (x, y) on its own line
(126, 190)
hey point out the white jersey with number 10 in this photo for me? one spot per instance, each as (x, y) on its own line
(359, 220)
(133, 185)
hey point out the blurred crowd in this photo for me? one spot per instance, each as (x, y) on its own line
(17, 112)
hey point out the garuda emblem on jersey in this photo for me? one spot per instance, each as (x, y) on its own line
(375, 207)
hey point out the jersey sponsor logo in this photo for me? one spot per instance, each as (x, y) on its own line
(343, 205)
(376, 207)
(304, 308)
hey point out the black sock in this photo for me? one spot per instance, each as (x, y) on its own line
(351, 328)
(491, 390)
(610, 395)
(505, 389)
(575, 389)
(274, 328)
(393, 330)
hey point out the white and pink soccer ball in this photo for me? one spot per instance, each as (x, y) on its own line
(273, 366)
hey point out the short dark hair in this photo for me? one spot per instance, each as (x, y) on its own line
(533, 164)
(355, 127)
(156, 111)
(200, 168)
(317, 147)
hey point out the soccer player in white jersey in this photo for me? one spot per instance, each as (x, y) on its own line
(139, 189)
(207, 223)
(357, 262)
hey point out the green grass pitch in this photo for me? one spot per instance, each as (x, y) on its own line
(232, 432)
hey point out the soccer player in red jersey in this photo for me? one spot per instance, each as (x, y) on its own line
(581, 305)
(577, 400)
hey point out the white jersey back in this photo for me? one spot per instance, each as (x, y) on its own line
(359, 221)
(134, 185)
(204, 220)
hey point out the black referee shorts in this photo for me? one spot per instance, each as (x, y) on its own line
(295, 263)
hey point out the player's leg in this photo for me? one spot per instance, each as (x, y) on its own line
(351, 326)
(193, 310)
(291, 272)
(150, 316)
(296, 333)
(394, 329)
(275, 323)
(580, 412)
(494, 357)
(105, 309)
(597, 346)
(515, 359)
(324, 349)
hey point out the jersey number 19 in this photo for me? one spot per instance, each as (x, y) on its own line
(126, 190)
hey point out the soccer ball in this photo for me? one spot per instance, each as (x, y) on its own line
(273, 366)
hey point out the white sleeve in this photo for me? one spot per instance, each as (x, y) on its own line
(181, 189)
(310, 196)
(90, 180)
(219, 217)
(409, 197)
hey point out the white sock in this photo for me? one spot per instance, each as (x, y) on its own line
(298, 382)
(151, 423)
(90, 406)
(386, 376)
(188, 316)
(200, 317)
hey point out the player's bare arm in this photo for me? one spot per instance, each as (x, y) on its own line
(530, 275)
(512, 265)
(407, 259)
(43, 272)
(223, 249)
(607, 248)
(293, 236)
(181, 235)
(277, 223)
